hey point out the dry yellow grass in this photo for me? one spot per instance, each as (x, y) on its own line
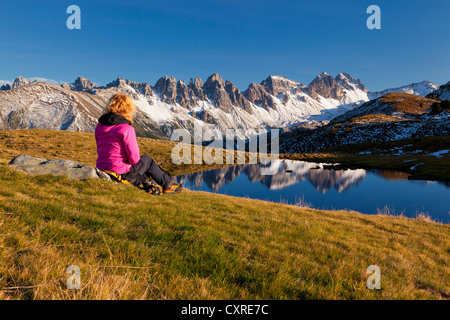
(197, 245)
(81, 147)
(408, 103)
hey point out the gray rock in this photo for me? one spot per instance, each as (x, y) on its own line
(167, 88)
(196, 86)
(20, 82)
(276, 85)
(258, 94)
(5, 87)
(236, 97)
(214, 88)
(184, 95)
(326, 86)
(122, 85)
(344, 79)
(72, 169)
(83, 84)
(66, 86)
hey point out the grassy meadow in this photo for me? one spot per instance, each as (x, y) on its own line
(195, 245)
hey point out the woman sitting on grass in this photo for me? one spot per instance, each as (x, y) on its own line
(118, 151)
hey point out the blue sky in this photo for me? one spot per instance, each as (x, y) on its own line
(244, 41)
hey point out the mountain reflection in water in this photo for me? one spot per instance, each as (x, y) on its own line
(326, 188)
(285, 173)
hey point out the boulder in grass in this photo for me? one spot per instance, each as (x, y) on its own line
(72, 169)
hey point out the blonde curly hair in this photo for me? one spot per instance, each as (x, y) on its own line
(123, 105)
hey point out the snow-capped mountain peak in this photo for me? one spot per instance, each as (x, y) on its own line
(418, 89)
(443, 93)
(349, 83)
(215, 103)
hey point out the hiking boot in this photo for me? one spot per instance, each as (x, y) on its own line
(151, 188)
(173, 188)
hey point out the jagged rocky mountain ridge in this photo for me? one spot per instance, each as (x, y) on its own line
(19, 82)
(169, 104)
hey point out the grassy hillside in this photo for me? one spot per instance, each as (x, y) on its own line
(405, 103)
(81, 147)
(196, 245)
(391, 107)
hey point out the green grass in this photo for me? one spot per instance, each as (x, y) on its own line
(197, 245)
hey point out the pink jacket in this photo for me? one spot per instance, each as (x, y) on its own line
(117, 148)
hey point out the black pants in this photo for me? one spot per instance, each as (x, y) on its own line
(147, 168)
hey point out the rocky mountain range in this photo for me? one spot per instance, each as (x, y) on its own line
(19, 82)
(170, 104)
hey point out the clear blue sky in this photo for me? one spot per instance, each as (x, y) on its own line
(244, 41)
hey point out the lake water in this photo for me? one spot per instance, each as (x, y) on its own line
(361, 190)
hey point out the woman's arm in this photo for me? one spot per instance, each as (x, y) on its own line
(131, 146)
